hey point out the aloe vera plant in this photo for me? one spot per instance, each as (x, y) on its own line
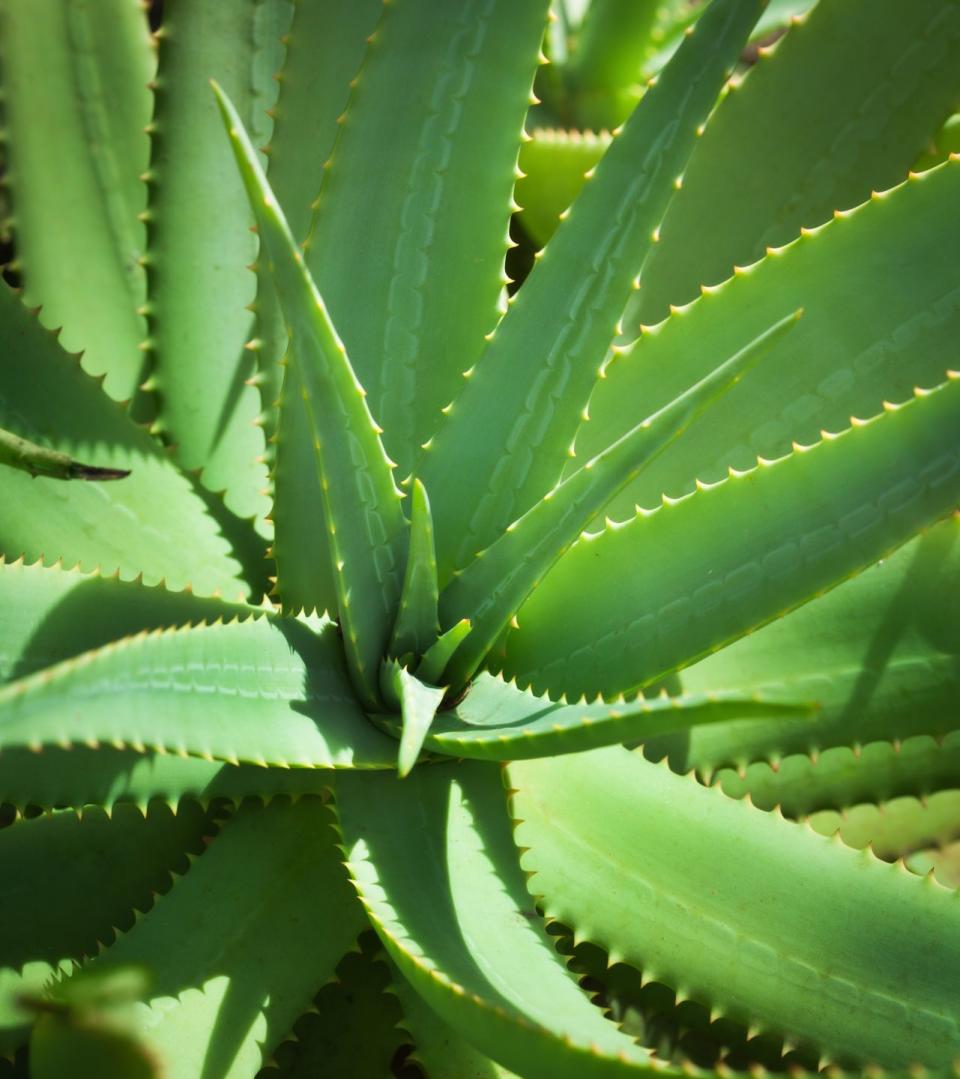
(596, 648)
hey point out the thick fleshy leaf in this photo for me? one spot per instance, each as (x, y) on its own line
(366, 528)
(70, 883)
(604, 75)
(841, 107)
(284, 698)
(200, 246)
(437, 656)
(417, 703)
(62, 613)
(76, 103)
(847, 775)
(324, 47)
(437, 1047)
(496, 721)
(224, 990)
(713, 897)
(417, 626)
(637, 601)
(867, 336)
(554, 163)
(505, 438)
(107, 777)
(410, 231)
(137, 526)
(476, 952)
(880, 654)
(895, 828)
(490, 589)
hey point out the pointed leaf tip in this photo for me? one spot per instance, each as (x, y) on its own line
(418, 706)
(353, 480)
(417, 626)
(436, 657)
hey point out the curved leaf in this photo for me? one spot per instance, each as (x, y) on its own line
(625, 607)
(476, 952)
(134, 527)
(106, 776)
(62, 613)
(841, 106)
(224, 990)
(200, 245)
(261, 691)
(845, 776)
(880, 653)
(867, 336)
(410, 229)
(71, 883)
(76, 103)
(712, 897)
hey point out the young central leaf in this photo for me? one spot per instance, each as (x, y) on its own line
(418, 624)
(368, 532)
(417, 703)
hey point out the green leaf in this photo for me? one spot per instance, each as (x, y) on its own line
(285, 698)
(604, 74)
(62, 613)
(496, 721)
(476, 952)
(351, 1029)
(367, 531)
(70, 883)
(866, 337)
(879, 653)
(418, 704)
(713, 897)
(554, 164)
(845, 776)
(219, 946)
(76, 104)
(106, 776)
(306, 577)
(896, 828)
(442, 1052)
(639, 600)
(842, 106)
(417, 626)
(504, 441)
(943, 862)
(200, 245)
(324, 47)
(134, 527)
(410, 230)
(437, 656)
(16, 452)
(490, 590)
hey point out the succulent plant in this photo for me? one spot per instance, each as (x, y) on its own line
(597, 648)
